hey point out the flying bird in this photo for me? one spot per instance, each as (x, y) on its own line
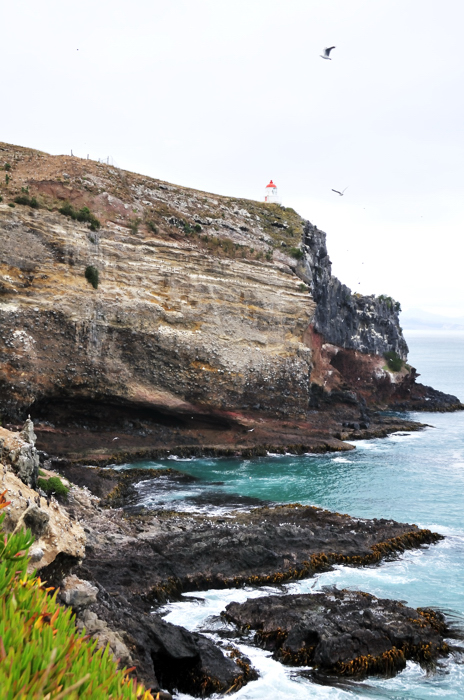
(116, 438)
(327, 51)
(340, 193)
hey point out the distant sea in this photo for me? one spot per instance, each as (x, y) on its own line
(416, 478)
(438, 356)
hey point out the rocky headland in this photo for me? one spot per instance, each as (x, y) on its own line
(144, 319)
(140, 317)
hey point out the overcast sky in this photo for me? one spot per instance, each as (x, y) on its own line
(222, 96)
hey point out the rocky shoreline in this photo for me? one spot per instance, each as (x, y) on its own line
(135, 560)
(327, 429)
(209, 326)
(140, 560)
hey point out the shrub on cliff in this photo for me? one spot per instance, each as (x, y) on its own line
(83, 214)
(134, 225)
(42, 655)
(91, 275)
(394, 361)
(391, 303)
(53, 485)
(296, 253)
(28, 201)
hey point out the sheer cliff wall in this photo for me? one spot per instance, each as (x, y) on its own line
(204, 305)
(366, 323)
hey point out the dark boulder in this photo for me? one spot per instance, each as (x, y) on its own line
(348, 633)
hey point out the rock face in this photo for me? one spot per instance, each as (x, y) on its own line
(366, 323)
(347, 633)
(19, 451)
(58, 538)
(201, 317)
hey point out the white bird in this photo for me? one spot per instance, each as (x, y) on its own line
(340, 193)
(327, 51)
(251, 430)
(116, 438)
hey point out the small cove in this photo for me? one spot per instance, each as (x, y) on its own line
(416, 478)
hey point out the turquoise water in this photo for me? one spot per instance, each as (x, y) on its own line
(416, 477)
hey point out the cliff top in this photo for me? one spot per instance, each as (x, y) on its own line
(124, 200)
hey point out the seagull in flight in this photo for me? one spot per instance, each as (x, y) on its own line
(340, 193)
(327, 51)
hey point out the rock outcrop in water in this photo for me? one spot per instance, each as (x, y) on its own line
(347, 633)
(163, 316)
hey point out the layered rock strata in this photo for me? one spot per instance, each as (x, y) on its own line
(210, 314)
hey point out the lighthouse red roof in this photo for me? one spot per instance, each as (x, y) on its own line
(271, 184)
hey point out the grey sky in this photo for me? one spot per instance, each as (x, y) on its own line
(223, 96)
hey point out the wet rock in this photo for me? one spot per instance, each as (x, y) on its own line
(165, 655)
(348, 633)
(166, 554)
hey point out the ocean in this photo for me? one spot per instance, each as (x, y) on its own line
(412, 477)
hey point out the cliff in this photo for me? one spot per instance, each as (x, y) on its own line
(210, 314)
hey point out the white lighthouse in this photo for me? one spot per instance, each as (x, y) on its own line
(271, 196)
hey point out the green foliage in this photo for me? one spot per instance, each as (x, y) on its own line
(91, 275)
(197, 228)
(296, 253)
(29, 201)
(7, 179)
(269, 255)
(42, 655)
(53, 485)
(10, 204)
(302, 288)
(83, 214)
(394, 361)
(25, 189)
(134, 225)
(153, 228)
(391, 303)
(1, 198)
(7, 166)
